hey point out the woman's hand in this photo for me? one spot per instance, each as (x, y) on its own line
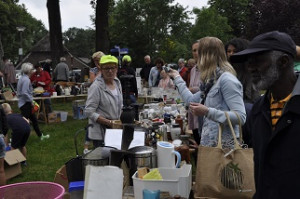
(173, 73)
(198, 109)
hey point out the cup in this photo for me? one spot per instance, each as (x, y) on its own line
(166, 155)
(54, 94)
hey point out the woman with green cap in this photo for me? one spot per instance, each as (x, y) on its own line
(104, 101)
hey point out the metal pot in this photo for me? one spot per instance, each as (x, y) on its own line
(142, 156)
(97, 157)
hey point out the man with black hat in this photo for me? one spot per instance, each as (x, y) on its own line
(274, 122)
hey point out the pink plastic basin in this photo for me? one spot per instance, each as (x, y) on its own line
(32, 190)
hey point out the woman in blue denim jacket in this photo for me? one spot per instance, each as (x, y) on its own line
(220, 92)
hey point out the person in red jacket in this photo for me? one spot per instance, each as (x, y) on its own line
(182, 69)
(40, 78)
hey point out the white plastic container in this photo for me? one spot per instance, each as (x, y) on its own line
(63, 116)
(175, 181)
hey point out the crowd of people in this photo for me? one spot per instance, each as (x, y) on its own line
(254, 82)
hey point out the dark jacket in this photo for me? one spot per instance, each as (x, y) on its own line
(276, 153)
(3, 122)
(127, 70)
(144, 73)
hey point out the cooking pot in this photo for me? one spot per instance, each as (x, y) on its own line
(98, 157)
(142, 156)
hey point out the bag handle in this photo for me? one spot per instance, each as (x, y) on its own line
(236, 143)
(240, 126)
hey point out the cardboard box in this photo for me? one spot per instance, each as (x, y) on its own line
(62, 178)
(12, 166)
(8, 95)
(54, 117)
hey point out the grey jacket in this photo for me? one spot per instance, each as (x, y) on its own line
(24, 90)
(225, 95)
(101, 102)
(61, 72)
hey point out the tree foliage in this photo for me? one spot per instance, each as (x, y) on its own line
(150, 27)
(80, 42)
(13, 15)
(268, 15)
(236, 11)
(210, 23)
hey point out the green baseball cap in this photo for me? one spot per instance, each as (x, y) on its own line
(108, 59)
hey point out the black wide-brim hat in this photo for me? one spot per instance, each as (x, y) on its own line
(274, 40)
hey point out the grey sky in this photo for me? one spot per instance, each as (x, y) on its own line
(76, 13)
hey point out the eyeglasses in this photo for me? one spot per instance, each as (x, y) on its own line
(109, 68)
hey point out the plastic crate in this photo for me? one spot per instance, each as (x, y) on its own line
(175, 181)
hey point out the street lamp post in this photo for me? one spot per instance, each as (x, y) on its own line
(21, 30)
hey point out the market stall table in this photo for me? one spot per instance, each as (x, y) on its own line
(42, 103)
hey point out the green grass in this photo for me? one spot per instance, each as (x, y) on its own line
(45, 157)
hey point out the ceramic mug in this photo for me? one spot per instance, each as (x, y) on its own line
(166, 155)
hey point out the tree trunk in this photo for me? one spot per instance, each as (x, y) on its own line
(102, 37)
(1, 55)
(55, 31)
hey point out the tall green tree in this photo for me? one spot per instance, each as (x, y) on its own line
(13, 15)
(79, 41)
(210, 23)
(55, 31)
(271, 15)
(149, 27)
(236, 11)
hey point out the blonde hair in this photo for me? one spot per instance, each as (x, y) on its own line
(6, 108)
(97, 55)
(211, 54)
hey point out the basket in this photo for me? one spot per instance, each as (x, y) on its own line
(28, 190)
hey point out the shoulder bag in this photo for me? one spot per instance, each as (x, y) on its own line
(224, 173)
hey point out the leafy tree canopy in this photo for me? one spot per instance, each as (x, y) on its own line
(149, 27)
(269, 15)
(80, 41)
(210, 23)
(236, 11)
(13, 15)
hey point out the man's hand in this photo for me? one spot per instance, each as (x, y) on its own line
(198, 109)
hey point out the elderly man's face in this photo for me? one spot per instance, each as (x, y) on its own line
(264, 70)
(147, 60)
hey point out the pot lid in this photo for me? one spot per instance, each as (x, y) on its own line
(98, 153)
(142, 150)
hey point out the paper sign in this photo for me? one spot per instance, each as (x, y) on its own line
(113, 138)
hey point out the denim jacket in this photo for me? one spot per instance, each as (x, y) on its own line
(225, 95)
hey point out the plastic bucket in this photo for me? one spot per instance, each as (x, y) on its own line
(28, 190)
(63, 116)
